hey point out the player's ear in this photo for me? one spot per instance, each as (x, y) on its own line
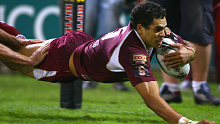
(140, 29)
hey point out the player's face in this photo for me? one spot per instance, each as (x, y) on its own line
(153, 36)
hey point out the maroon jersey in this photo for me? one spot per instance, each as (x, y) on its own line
(117, 56)
(10, 29)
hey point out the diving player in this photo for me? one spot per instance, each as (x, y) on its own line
(123, 54)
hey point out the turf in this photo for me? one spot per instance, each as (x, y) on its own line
(25, 100)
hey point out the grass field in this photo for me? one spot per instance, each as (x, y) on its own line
(25, 100)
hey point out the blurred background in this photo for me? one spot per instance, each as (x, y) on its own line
(40, 19)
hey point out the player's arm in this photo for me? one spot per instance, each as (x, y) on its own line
(7, 34)
(8, 55)
(15, 41)
(149, 91)
(191, 47)
(4, 36)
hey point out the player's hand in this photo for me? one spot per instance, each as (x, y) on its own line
(38, 56)
(23, 42)
(206, 122)
(180, 57)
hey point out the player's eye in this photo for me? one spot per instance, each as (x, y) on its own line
(158, 29)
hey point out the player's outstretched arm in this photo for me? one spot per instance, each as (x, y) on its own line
(8, 55)
(149, 91)
(15, 41)
(20, 42)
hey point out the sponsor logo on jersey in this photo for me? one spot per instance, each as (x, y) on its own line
(168, 32)
(141, 70)
(140, 63)
(95, 44)
(138, 59)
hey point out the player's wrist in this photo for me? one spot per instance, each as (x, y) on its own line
(12, 40)
(184, 120)
(29, 61)
(194, 52)
(32, 60)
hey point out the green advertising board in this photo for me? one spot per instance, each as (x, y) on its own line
(39, 19)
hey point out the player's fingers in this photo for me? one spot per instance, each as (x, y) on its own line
(172, 57)
(34, 41)
(45, 54)
(174, 63)
(22, 42)
(206, 122)
(178, 45)
(171, 54)
(44, 48)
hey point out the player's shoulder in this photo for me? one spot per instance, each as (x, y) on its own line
(134, 42)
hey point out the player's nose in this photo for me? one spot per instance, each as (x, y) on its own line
(162, 34)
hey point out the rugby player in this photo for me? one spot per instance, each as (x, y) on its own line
(121, 55)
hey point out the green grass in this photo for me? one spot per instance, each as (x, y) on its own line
(25, 100)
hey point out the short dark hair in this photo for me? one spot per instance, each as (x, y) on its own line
(144, 13)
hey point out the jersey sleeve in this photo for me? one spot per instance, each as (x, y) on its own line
(136, 64)
(10, 29)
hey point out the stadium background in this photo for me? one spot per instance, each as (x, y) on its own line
(39, 19)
